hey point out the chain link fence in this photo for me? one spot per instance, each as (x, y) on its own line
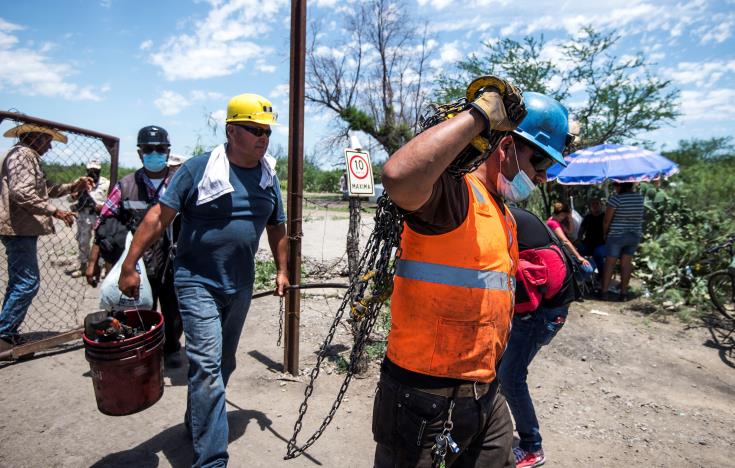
(58, 306)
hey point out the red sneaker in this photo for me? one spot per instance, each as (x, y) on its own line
(528, 459)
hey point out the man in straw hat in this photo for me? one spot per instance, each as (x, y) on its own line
(25, 214)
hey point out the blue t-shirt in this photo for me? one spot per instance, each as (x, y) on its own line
(218, 240)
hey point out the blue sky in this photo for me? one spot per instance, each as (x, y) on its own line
(117, 65)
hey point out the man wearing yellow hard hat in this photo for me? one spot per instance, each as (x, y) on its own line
(25, 214)
(227, 198)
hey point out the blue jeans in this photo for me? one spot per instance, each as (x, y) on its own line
(626, 243)
(213, 321)
(528, 334)
(24, 280)
(598, 256)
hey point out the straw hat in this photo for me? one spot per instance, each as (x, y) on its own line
(176, 159)
(30, 128)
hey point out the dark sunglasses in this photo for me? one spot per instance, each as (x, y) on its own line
(146, 149)
(257, 131)
(540, 161)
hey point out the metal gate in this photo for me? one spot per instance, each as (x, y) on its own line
(57, 312)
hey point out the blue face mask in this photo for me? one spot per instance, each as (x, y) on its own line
(517, 189)
(155, 161)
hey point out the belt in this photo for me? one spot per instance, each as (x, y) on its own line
(475, 390)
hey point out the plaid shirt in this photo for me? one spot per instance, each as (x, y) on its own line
(114, 200)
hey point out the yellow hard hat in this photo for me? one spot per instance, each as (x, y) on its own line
(251, 108)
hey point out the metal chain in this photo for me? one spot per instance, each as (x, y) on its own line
(280, 322)
(376, 269)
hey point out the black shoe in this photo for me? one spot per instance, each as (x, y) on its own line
(601, 296)
(173, 359)
(624, 297)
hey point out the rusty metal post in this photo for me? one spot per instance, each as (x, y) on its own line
(295, 183)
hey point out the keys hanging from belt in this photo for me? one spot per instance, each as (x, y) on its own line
(444, 441)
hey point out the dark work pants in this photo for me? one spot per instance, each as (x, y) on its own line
(165, 295)
(406, 422)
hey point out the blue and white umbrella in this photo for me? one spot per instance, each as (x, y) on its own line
(619, 163)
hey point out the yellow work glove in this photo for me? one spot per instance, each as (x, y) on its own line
(492, 106)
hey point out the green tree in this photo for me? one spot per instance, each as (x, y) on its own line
(621, 96)
(373, 77)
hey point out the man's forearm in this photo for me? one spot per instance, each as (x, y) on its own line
(149, 230)
(409, 175)
(278, 243)
(94, 255)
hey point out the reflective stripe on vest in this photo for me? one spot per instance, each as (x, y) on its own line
(452, 276)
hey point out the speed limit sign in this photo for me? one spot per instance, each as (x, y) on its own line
(359, 173)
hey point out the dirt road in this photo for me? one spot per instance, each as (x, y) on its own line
(615, 388)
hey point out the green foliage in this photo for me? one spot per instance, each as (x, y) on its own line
(265, 273)
(315, 179)
(622, 96)
(520, 61)
(357, 119)
(64, 174)
(683, 218)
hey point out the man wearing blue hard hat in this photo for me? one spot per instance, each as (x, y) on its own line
(437, 402)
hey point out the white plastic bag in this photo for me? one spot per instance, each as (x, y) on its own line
(111, 298)
(576, 221)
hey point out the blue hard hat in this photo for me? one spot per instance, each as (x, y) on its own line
(546, 126)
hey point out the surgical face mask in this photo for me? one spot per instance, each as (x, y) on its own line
(155, 161)
(517, 189)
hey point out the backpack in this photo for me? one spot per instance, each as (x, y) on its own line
(578, 276)
(110, 237)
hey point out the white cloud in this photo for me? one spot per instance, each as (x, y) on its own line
(145, 45)
(702, 74)
(171, 103)
(32, 72)
(198, 95)
(449, 54)
(326, 51)
(719, 33)
(279, 91)
(263, 66)
(436, 4)
(219, 116)
(222, 43)
(708, 105)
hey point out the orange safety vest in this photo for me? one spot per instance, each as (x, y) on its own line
(452, 299)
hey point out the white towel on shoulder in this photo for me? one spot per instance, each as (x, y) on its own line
(268, 171)
(216, 179)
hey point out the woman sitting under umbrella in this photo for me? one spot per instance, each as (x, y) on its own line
(561, 216)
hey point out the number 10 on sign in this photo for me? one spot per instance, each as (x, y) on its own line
(359, 173)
